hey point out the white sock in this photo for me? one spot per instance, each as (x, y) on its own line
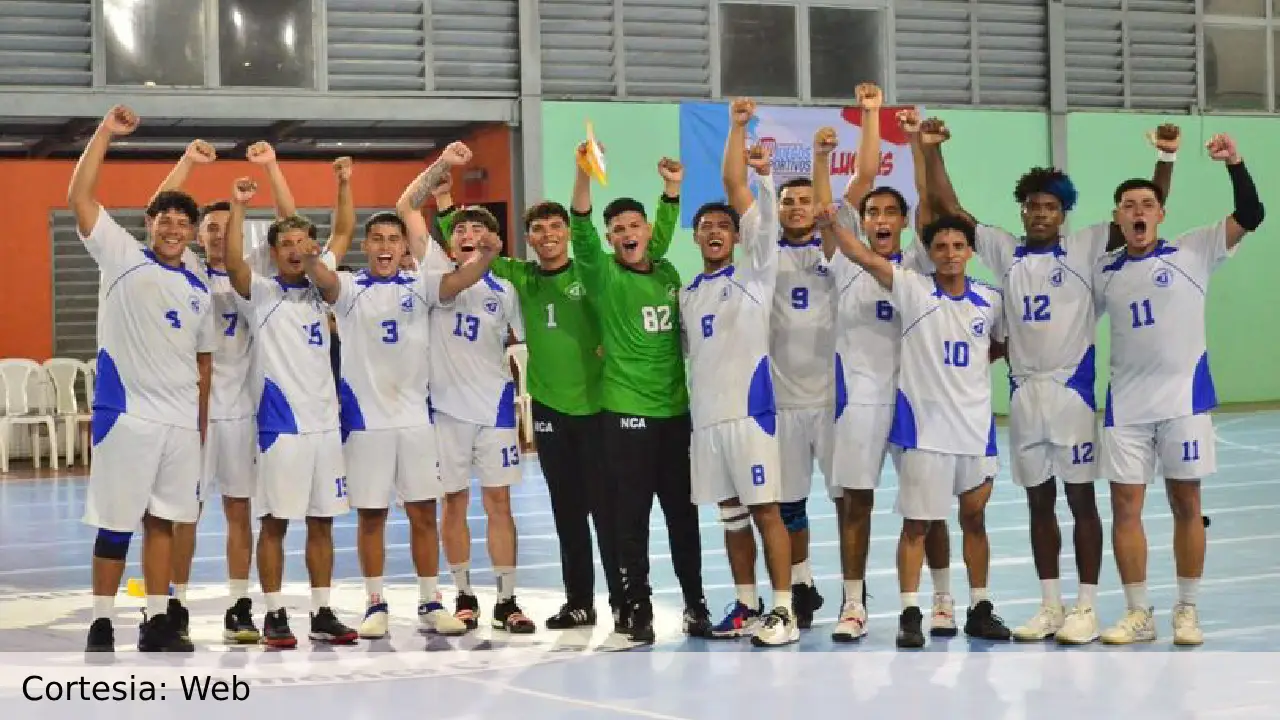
(506, 582)
(909, 600)
(1051, 592)
(104, 606)
(941, 580)
(977, 595)
(157, 605)
(427, 589)
(782, 599)
(801, 574)
(180, 592)
(853, 591)
(1135, 596)
(373, 588)
(462, 578)
(1088, 595)
(239, 588)
(319, 598)
(747, 595)
(1187, 590)
(273, 601)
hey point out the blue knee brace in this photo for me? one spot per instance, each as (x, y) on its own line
(794, 515)
(112, 545)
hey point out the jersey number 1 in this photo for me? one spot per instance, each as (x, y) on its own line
(551, 315)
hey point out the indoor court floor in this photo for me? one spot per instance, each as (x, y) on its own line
(45, 612)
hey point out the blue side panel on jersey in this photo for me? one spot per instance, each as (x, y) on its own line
(1204, 397)
(1107, 419)
(350, 418)
(1083, 379)
(274, 412)
(266, 438)
(842, 390)
(903, 431)
(991, 438)
(109, 400)
(507, 407)
(761, 403)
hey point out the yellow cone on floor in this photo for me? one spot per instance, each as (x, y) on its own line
(135, 588)
(593, 163)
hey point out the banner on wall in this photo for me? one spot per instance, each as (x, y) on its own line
(789, 130)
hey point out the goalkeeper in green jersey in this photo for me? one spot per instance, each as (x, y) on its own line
(646, 426)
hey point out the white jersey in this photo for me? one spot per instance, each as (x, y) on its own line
(470, 376)
(1159, 357)
(291, 357)
(152, 322)
(944, 388)
(800, 339)
(868, 332)
(1050, 320)
(725, 326)
(384, 324)
(230, 392)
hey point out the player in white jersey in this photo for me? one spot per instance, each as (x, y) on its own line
(1161, 392)
(1047, 278)
(383, 316)
(473, 406)
(155, 335)
(942, 424)
(300, 474)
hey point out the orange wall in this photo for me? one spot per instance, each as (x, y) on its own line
(31, 189)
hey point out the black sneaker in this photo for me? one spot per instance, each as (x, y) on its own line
(640, 622)
(571, 617)
(180, 618)
(697, 620)
(326, 628)
(622, 619)
(467, 609)
(910, 632)
(983, 623)
(806, 601)
(159, 634)
(239, 627)
(102, 637)
(508, 616)
(276, 632)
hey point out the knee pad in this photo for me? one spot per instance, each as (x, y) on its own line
(112, 545)
(794, 515)
(735, 519)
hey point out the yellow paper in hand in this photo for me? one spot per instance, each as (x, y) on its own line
(593, 163)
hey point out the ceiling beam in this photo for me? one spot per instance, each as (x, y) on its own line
(70, 134)
(277, 132)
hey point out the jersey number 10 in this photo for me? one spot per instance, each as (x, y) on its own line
(955, 353)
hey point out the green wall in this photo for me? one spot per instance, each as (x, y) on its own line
(988, 151)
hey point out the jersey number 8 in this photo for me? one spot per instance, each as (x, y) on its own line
(657, 318)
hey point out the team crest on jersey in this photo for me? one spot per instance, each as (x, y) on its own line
(1056, 277)
(821, 270)
(724, 293)
(978, 326)
(672, 291)
(406, 303)
(1162, 277)
(195, 304)
(491, 306)
(575, 290)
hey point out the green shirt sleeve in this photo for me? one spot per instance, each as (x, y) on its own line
(664, 227)
(445, 221)
(502, 267)
(587, 253)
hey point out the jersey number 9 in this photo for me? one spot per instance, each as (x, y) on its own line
(657, 318)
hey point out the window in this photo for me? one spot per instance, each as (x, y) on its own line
(266, 44)
(154, 42)
(1235, 67)
(758, 51)
(845, 47)
(1236, 8)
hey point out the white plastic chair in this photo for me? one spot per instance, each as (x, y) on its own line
(75, 422)
(24, 407)
(519, 354)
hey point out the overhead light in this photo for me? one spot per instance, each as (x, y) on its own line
(375, 145)
(157, 144)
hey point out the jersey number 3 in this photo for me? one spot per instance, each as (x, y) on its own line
(657, 318)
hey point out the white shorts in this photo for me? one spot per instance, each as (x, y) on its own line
(1185, 447)
(140, 467)
(735, 459)
(466, 450)
(804, 437)
(929, 480)
(230, 453)
(1052, 434)
(301, 476)
(862, 441)
(401, 460)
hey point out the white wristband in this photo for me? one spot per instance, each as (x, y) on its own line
(1168, 156)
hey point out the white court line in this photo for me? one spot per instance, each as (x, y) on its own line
(619, 709)
(1237, 632)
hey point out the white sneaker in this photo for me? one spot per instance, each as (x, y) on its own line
(943, 623)
(852, 624)
(1186, 626)
(433, 618)
(777, 628)
(1079, 628)
(1135, 626)
(374, 626)
(1045, 623)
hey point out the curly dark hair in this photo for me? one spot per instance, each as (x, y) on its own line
(1046, 180)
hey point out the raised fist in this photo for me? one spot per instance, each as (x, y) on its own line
(741, 110)
(1166, 138)
(342, 168)
(456, 154)
(869, 96)
(261, 153)
(490, 245)
(825, 217)
(1222, 147)
(825, 141)
(909, 120)
(671, 170)
(934, 132)
(243, 191)
(120, 120)
(200, 152)
(760, 159)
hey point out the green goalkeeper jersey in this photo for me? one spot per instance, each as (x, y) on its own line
(562, 330)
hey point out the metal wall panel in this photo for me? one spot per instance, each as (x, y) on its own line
(1134, 54)
(1013, 53)
(475, 45)
(46, 42)
(578, 48)
(376, 45)
(667, 48)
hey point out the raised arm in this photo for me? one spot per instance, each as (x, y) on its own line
(409, 206)
(81, 194)
(343, 226)
(1248, 212)
(321, 275)
(941, 194)
(238, 268)
(584, 239)
(470, 272)
(761, 239)
(868, 161)
(667, 214)
(853, 248)
(198, 152)
(264, 156)
(909, 121)
(734, 170)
